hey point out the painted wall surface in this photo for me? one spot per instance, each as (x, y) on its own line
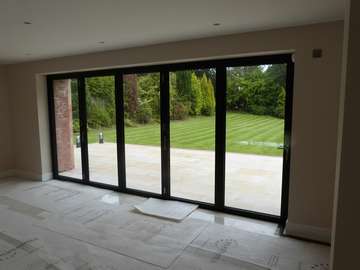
(316, 91)
(5, 128)
(345, 248)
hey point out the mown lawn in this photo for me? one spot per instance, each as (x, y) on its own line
(246, 133)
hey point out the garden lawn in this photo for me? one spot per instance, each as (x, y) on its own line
(245, 133)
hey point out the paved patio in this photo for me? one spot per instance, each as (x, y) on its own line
(253, 182)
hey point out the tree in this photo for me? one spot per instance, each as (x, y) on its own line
(211, 94)
(183, 85)
(235, 96)
(100, 100)
(209, 72)
(75, 106)
(179, 97)
(277, 74)
(256, 89)
(207, 90)
(196, 95)
(172, 94)
(131, 102)
(280, 107)
(149, 94)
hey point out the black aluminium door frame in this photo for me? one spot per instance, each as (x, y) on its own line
(220, 131)
(82, 119)
(83, 110)
(290, 67)
(165, 165)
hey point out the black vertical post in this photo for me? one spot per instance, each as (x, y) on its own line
(83, 129)
(52, 126)
(220, 124)
(287, 141)
(165, 134)
(120, 130)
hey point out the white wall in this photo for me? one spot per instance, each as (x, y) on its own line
(317, 83)
(345, 251)
(5, 128)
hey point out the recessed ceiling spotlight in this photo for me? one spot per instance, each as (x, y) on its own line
(216, 24)
(27, 22)
(101, 42)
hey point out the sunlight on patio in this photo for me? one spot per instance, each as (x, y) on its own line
(253, 182)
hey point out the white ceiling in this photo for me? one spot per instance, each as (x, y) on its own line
(67, 27)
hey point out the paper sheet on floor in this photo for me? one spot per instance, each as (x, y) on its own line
(172, 210)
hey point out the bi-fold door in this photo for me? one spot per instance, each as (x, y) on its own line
(216, 133)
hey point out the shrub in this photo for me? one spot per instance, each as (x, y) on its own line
(144, 113)
(129, 123)
(257, 109)
(100, 99)
(180, 105)
(98, 117)
(149, 91)
(280, 107)
(180, 111)
(76, 125)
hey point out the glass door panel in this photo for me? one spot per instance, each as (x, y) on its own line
(67, 125)
(192, 134)
(101, 129)
(142, 131)
(255, 137)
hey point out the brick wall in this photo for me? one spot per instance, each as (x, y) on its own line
(63, 121)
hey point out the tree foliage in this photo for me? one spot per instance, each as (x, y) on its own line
(207, 90)
(100, 101)
(196, 95)
(131, 101)
(257, 89)
(252, 89)
(183, 85)
(190, 95)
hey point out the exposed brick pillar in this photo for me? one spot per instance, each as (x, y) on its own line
(63, 121)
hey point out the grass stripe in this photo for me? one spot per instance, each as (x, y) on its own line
(199, 133)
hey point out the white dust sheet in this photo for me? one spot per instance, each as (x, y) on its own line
(172, 210)
(65, 226)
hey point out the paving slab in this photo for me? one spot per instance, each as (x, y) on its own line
(253, 182)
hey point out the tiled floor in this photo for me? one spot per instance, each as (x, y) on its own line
(60, 225)
(253, 182)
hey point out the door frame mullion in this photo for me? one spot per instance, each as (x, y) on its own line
(220, 133)
(287, 140)
(120, 130)
(83, 129)
(52, 125)
(165, 133)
